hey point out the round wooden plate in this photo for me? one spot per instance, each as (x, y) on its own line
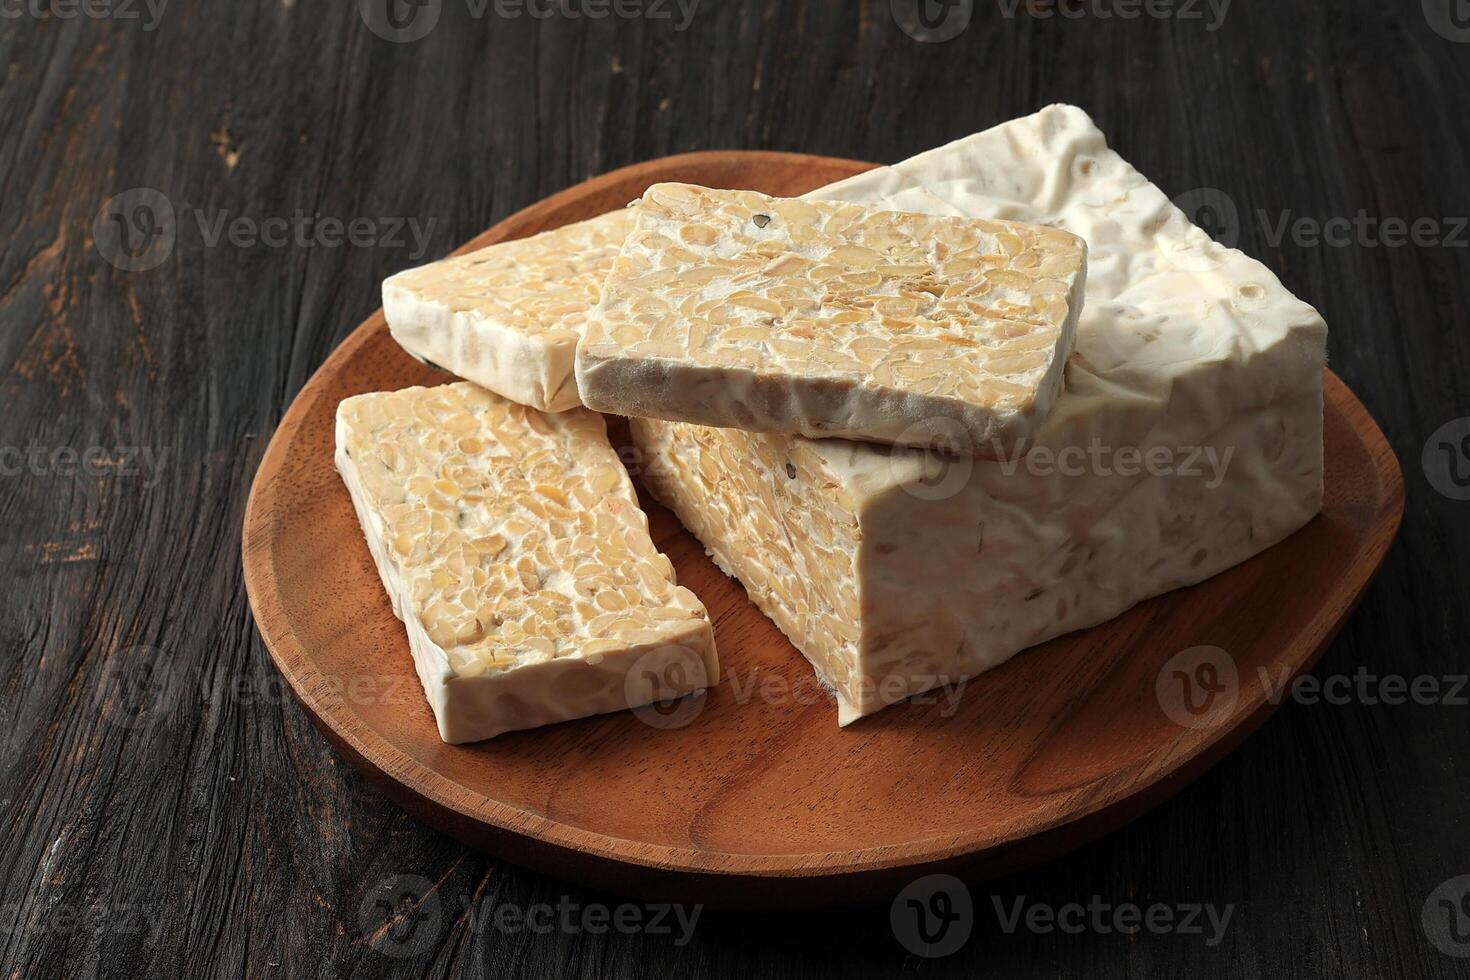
(1060, 745)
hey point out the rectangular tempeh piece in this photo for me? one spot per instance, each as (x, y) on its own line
(508, 317)
(513, 549)
(734, 309)
(1188, 439)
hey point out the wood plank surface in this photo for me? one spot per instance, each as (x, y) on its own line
(168, 810)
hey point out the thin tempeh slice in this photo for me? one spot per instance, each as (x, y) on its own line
(513, 549)
(508, 317)
(734, 309)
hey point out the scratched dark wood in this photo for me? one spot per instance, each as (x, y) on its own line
(155, 771)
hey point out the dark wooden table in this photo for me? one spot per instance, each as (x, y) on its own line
(167, 810)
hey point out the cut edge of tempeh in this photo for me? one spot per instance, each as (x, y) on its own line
(614, 665)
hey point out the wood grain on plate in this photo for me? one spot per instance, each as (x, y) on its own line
(1058, 746)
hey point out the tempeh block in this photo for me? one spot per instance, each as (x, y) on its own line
(508, 317)
(734, 309)
(512, 547)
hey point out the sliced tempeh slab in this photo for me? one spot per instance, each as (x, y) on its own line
(734, 309)
(511, 544)
(508, 317)
(898, 571)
